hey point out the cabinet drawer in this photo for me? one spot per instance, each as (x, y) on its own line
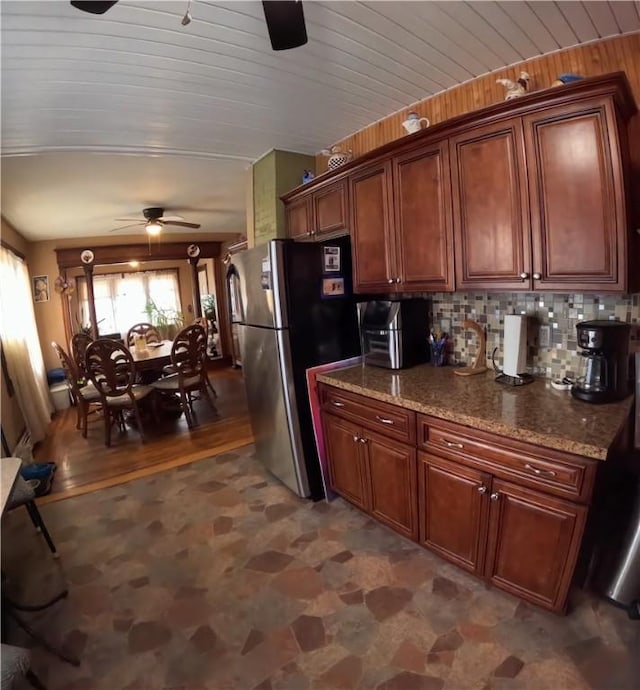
(389, 420)
(532, 466)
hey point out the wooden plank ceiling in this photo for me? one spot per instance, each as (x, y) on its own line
(135, 83)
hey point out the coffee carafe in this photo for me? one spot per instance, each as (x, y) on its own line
(603, 374)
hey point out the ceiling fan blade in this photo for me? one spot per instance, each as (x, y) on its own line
(94, 6)
(181, 224)
(285, 22)
(131, 225)
(165, 219)
(139, 220)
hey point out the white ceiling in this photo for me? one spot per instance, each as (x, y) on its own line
(104, 115)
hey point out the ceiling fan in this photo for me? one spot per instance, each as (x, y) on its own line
(285, 19)
(154, 220)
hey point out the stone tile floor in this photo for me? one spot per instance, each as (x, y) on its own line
(215, 576)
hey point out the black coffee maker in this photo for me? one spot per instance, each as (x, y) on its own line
(603, 375)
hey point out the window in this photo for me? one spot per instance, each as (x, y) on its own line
(121, 298)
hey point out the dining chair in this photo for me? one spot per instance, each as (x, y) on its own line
(79, 344)
(112, 371)
(188, 358)
(170, 369)
(149, 331)
(23, 494)
(84, 393)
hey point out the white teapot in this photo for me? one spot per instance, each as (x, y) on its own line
(413, 123)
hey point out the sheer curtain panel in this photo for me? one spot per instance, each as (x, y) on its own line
(22, 345)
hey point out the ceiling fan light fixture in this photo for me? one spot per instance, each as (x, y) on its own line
(153, 227)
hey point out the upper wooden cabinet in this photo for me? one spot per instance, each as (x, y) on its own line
(298, 218)
(529, 194)
(422, 219)
(578, 217)
(490, 209)
(372, 240)
(330, 209)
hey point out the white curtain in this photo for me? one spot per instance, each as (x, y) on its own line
(121, 298)
(22, 345)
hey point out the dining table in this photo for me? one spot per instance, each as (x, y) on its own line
(154, 356)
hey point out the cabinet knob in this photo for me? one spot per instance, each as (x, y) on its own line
(524, 275)
(495, 496)
(363, 440)
(397, 280)
(356, 438)
(391, 281)
(482, 489)
(537, 276)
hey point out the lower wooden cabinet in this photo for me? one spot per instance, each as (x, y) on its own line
(375, 473)
(391, 474)
(453, 511)
(467, 506)
(533, 543)
(347, 472)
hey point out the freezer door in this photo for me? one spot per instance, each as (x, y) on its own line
(268, 377)
(261, 283)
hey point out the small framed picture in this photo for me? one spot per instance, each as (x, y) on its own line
(331, 259)
(333, 287)
(40, 288)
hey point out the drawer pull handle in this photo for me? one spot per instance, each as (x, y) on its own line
(482, 489)
(335, 403)
(495, 496)
(451, 444)
(535, 470)
(384, 420)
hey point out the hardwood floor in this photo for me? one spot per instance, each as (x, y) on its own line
(87, 464)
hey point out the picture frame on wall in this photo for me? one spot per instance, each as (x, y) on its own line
(40, 288)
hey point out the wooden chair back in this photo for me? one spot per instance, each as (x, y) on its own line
(69, 368)
(189, 351)
(149, 331)
(79, 344)
(111, 368)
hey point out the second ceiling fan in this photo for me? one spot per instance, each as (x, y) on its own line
(285, 19)
(154, 221)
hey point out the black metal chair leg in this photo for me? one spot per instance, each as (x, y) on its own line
(41, 641)
(34, 681)
(37, 520)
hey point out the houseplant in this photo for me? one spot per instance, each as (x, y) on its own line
(167, 321)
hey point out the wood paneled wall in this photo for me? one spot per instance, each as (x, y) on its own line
(619, 54)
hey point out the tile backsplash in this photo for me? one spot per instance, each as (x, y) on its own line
(561, 312)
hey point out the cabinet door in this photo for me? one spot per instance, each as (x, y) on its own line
(422, 213)
(330, 208)
(533, 544)
(453, 511)
(490, 207)
(391, 473)
(577, 198)
(345, 459)
(373, 250)
(298, 215)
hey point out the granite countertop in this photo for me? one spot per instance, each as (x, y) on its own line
(535, 413)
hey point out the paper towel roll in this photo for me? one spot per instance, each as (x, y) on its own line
(515, 345)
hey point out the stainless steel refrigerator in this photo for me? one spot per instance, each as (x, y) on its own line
(286, 301)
